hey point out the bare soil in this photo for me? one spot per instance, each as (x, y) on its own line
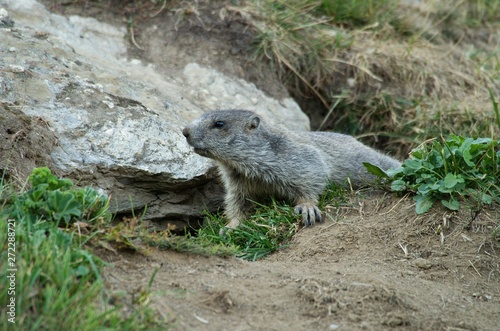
(25, 143)
(373, 266)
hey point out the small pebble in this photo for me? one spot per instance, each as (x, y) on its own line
(422, 264)
(333, 326)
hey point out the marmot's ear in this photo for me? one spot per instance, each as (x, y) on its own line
(254, 123)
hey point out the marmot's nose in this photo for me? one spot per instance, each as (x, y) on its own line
(185, 132)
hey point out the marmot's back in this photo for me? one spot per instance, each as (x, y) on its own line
(346, 155)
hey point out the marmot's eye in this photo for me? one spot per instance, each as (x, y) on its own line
(218, 124)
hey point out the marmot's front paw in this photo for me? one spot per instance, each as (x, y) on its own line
(233, 224)
(310, 213)
(225, 230)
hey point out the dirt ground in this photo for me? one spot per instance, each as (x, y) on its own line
(25, 143)
(373, 266)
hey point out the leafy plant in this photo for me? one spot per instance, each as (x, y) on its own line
(54, 274)
(57, 200)
(450, 171)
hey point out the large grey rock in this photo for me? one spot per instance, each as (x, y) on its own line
(118, 122)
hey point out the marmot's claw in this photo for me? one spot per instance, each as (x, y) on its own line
(223, 231)
(310, 213)
(233, 224)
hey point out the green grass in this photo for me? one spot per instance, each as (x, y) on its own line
(335, 195)
(58, 283)
(192, 244)
(358, 12)
(269, 229)
(470, 12)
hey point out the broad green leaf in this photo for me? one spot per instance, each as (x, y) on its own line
(417, 154)
(393, 172)
(486, 198)
(455, 140)
(374, 170)
(43, 175)
(451, 180)
(412, 164)
(36, 193)
(398, 185)
(434, 160)
(63, 205)
(424, 189)
(452, 204)
(465, 151)
(424, 203)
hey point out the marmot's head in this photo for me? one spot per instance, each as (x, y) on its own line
(225, 135)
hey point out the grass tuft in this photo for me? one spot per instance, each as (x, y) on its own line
(358, 12)
(58, 283)
(193, 245)
(269, 229)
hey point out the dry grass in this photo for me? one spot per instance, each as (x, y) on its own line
(422, 71)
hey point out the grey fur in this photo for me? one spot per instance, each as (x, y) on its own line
(258, 160)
